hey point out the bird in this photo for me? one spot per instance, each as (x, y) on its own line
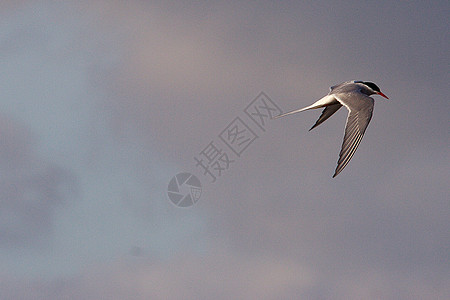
(354, 95)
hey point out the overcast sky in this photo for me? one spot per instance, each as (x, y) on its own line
(103, 102)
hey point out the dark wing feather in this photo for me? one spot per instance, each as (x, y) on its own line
(326, 113)
(360, 113)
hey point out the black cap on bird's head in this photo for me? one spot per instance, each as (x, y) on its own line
(374, 87)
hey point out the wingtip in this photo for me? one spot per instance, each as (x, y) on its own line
(336, 172)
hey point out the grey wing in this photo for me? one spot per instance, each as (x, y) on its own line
(336, 87)
(360, 113)
(326, 113)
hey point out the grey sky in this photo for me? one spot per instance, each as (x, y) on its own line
(103, 102)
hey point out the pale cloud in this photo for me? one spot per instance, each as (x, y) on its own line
(167, 78)
(220, 275)
(225, 275)
(31, 188)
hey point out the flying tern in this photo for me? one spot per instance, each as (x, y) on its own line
(354, 95)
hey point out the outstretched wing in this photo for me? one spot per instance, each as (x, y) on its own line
(335, 88)
(326, 113)
(360, 109)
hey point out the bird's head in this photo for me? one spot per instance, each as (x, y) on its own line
(372, 88)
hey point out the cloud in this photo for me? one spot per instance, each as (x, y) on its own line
(171, 77)
(221, 275)
(181, 83)
(31, 188)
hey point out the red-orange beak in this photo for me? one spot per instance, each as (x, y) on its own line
(382, 95)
